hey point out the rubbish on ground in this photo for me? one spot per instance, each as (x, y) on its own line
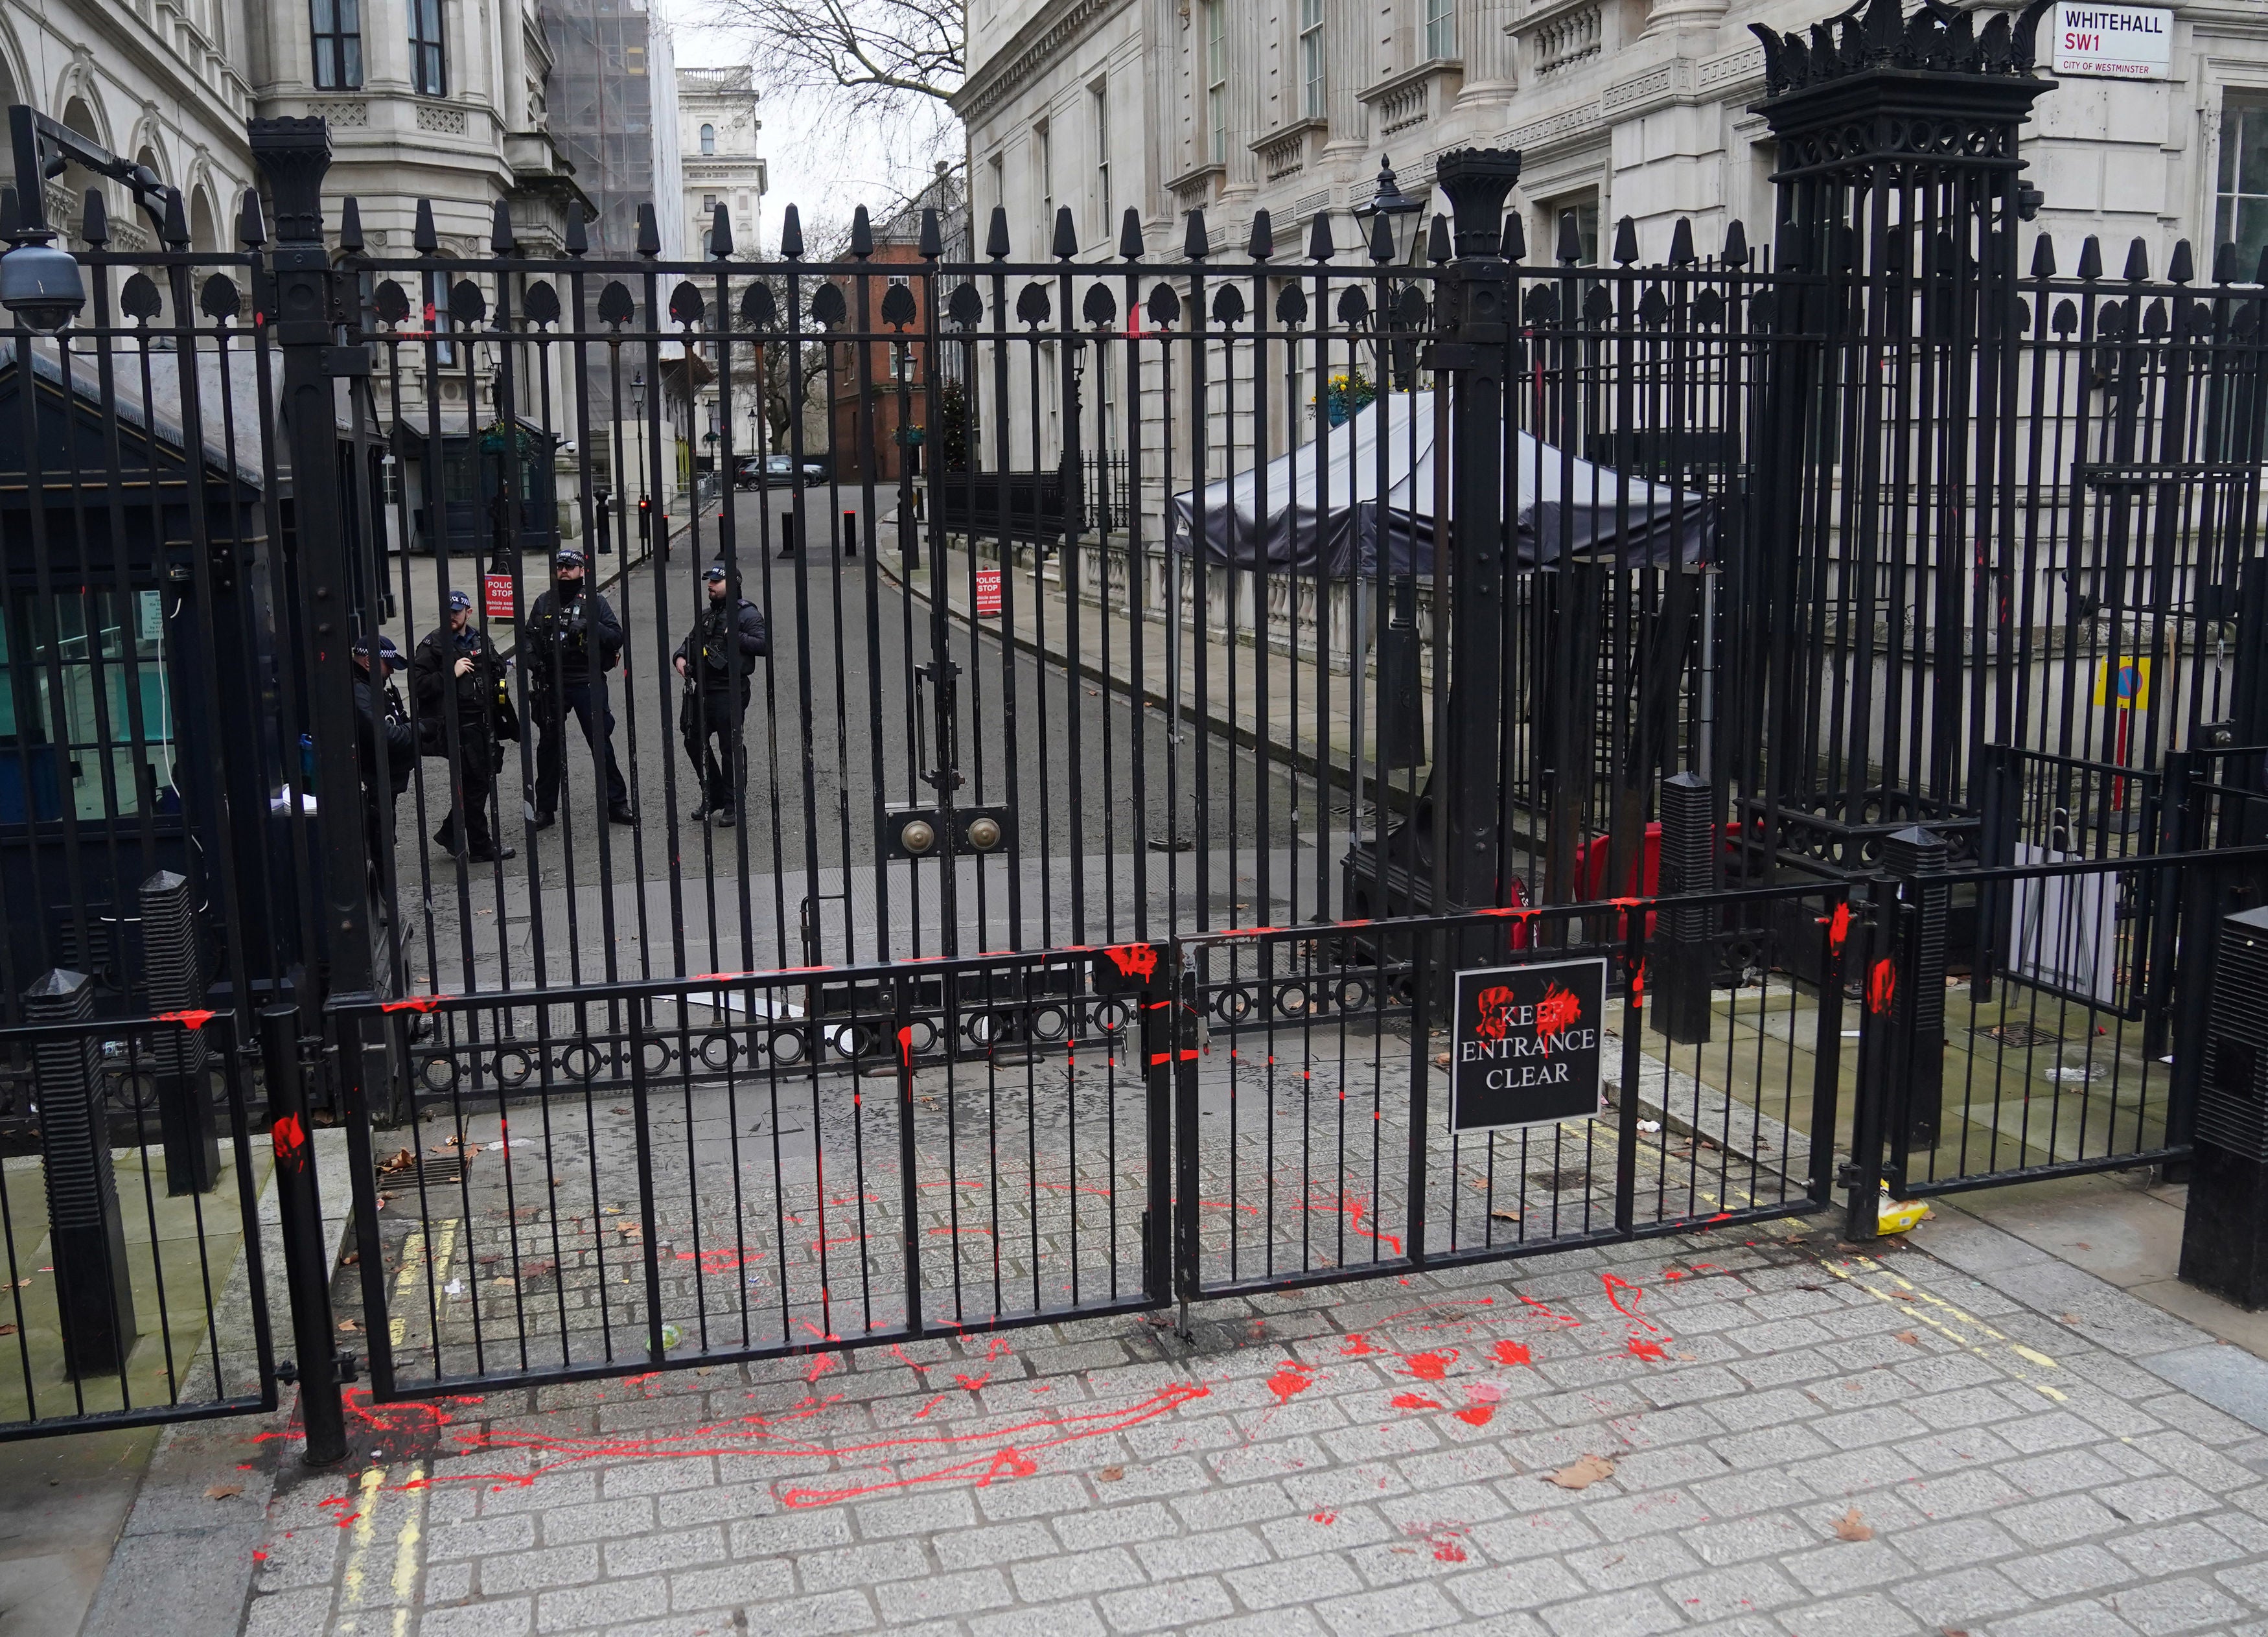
(1583, 1473)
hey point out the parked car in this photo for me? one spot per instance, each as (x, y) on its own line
(777, 471)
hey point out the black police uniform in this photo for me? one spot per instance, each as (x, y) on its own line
(570, 643)
(720, 654)
(439, 690)
(380, 717)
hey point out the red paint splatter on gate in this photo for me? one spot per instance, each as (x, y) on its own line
(1882, 987)
(291, 1140)
(187, 1020)
(1838, 928)
(1555, 1014)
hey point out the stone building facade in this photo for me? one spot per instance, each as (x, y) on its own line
(1619, 107)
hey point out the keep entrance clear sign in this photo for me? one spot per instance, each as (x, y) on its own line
(2114, 41)
(1527, 1045)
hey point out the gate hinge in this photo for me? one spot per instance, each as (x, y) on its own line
(346, 1364)
(1848, 1174)
(286, 1371)
(339, 362)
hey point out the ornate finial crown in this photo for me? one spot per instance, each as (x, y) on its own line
(1939, 38)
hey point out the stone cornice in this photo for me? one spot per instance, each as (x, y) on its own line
(1054, 28)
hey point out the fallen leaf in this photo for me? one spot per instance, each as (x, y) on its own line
(2068, 1318)
(401, 1160)
(224, 1492)
(1907, 1337)
(617, 1109)
(1688, 1357)
(346, 1324)
(1111, 1474)
(7, 1330)
(1503, 1215)
(350, 1258)
(1442, 1060)
(1851, 1526)
(1583, 1473)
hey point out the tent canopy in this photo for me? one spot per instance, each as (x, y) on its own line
(1318, 508)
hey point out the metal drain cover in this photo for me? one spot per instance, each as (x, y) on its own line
(2019, 1035)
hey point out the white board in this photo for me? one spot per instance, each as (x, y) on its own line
(2112, 41)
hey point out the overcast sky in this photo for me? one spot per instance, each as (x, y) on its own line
(822, 161)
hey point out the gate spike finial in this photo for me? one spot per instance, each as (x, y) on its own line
(1261, 242)
(350, 225)
(502, 239)
(251, 221)
(931, 247)
(1065, 244)
(2044, 257)
(862, 234)
(2090, 257)
(2182, 269)
(1513, 246)
(1321, 247)
(578, 235)
(1571, 239)
(2224, 263)
(423, 238)
(720, 232)
(995, 235)
(1129, 235)
(649, 230)
(1681, 243)
(2260, 273)
(2137, 262)
(1626, 241)
(95, 220)
(1437, 241)
(791, 234)
(1736, 243)
(1381, 239)
(1197, 244)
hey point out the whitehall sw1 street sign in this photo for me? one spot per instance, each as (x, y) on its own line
(2119, 41)
(1525, 1047)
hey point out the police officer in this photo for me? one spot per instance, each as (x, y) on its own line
(380, 719)
(717, 659)
(572, 640)
(456, 671)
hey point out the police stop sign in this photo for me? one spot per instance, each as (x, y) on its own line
(1525, 1045)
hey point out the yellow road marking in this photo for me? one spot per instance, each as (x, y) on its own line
(366, 1525)
(413, 1260)
(405, 1556)
(1910, 1291)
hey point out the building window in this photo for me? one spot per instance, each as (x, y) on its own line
(338, 44)
(2243, 190)
(1311, 57)
(1583, 211)
(429, 57)
(1440, 29)
(1047, 141)
(1102, 162)
(708, 139)
(709, 204)
(1216, 79)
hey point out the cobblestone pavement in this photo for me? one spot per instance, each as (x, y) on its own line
(1771, 1433)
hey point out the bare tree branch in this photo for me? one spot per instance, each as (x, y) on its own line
(889, 55)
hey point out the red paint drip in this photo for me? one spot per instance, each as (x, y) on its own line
(187, 1020)
(1513, 1352)
(1615, 1285)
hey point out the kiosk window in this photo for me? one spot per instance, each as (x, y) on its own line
(90, 666)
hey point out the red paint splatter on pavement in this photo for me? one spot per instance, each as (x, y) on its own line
(260, 1556)
(972, 1382)
(1430, 1366)
(926, 1408)
(1641, 1348)
(1513, 1352)
(1358, 1347)
(1323, 1517)
(1414, 1401)
(1292, 1380)
(1477, 1414)
(1614, 1286)
(1568, 1319)
(1443, 1538)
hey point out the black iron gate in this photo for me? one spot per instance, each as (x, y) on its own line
(1065, 840)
